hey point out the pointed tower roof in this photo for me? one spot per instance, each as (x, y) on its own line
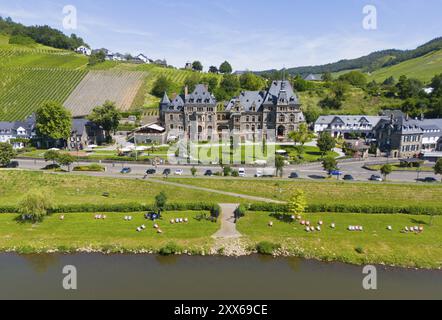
(165, 99)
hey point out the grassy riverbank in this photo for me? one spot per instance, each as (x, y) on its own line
(80, 231)
(330, 192)
(376, 245)
(74, 190)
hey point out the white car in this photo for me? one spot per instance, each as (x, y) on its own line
(242, 172)
(179, 172)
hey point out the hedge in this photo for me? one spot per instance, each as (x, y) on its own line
(352, 208)
(126, 207)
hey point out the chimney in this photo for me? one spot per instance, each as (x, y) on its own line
(186, 91)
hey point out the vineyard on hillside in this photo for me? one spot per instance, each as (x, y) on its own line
(120, 87)
(40, 58)
(23, 90)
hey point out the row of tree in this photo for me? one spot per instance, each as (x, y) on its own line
(224, 68)
(21, 34)
(223, 88)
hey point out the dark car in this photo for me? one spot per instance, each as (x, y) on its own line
(293, 175)
(430, 180)
(126, 170)
(348, 177)
(208, 173)
(13, 165)
(167, 172)
(151, 171)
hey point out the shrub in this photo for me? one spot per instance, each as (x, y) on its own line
(359, 250)
(215, 211)
(240, 211)
(35, 206)
(267, 248)
(90, 168)
(170, 249)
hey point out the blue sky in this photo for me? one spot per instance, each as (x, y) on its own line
(251, 34)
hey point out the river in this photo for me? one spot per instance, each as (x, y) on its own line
(156, 277)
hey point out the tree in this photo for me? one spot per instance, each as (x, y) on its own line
(52, 155)
(438, 167)
(386, 170)
(252, 82)
(229, 87)
(161, 202)
(330, 164)
(66, 160)
(298, 203)
(355, 78)
(6, 154)
(302, 135)
(191, 81)
(225, 68)
(96, 58)
(327, 77)
(194, 171)
(54, 121)
(326, 142)
(197, 66)
(106, 116)
(436, 84)
(279, 165)
(408, 88)
(35, 206)
(163, 84)
(213, 69)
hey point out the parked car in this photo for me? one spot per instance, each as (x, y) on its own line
(179, 172)
(126, 170)
(151, 171)
(208, 173)
(349, 177)
(242, 172)
(12, 165)
(376, 178)
(430, 180)
(167, 172)
(293, 175)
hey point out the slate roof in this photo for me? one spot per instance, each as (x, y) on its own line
(10, 128)
(247, 100)
(348, 120)
(200, 95)
(281, 90)
(313, 77)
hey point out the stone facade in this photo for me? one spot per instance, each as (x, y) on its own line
(251, 114)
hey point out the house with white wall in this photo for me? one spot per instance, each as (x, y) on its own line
(345, 125)
(84, 50)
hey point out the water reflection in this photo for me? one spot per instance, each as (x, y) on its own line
(41, 263)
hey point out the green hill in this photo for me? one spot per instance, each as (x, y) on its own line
(385, 63)
(30, 75)
(422, 68)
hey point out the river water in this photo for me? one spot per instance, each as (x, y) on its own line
(155, 277)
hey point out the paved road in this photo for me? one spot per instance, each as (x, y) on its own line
(307, 171)
(228, 226)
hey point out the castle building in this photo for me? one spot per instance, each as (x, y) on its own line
(275, 112)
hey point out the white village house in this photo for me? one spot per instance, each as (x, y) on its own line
(143, 58)
(344, 125)
(84, 50)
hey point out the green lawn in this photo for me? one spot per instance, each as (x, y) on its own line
(327, 192)
(379, 245)
(81, 231)
(73, 189)
(310, 154)
(397, 167)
